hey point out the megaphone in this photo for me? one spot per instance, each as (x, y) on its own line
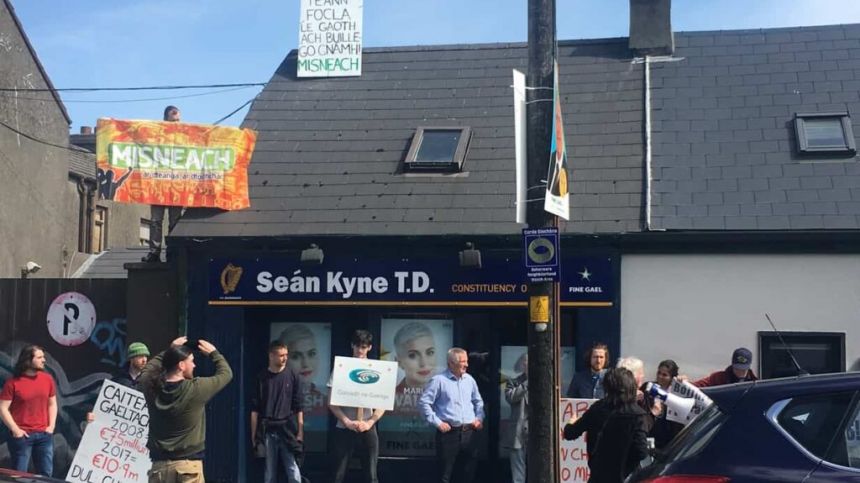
(677, 408)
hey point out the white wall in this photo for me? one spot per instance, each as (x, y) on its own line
(696, 309)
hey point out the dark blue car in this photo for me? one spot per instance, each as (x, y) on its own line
(800, 429)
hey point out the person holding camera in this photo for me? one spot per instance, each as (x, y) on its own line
(177, 409)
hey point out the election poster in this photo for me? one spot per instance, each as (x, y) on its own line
(174, 163)
(514, 363)
(573, 456)
(420, 347)
(330, 38)
(557, 200)
(363, 383)
(309, 346)
(113, 447)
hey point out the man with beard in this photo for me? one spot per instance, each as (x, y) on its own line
(137, 356)
(588, 384)
(28, 407)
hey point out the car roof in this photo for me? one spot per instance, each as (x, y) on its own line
(726, 396)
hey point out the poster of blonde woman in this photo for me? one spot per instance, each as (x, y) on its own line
(309, 346)
(419, 346)
(513, 365)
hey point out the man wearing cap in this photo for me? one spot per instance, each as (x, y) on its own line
(738, 371)
(137, 356)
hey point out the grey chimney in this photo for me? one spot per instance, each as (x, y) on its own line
(651, 27)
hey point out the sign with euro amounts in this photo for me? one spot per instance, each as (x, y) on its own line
(363, 383)
(330, 38)
(113, 447)
(174, 164)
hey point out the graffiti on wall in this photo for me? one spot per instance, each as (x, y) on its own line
(109, 337)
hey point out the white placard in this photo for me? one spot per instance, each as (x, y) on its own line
(363, 383)
(330, 38)
(573, 456)
(113, 448)
(686, 390)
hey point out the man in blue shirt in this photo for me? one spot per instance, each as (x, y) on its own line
(452, 403)
(588, 384)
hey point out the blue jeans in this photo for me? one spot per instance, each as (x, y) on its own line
(40, 445)
(277, 452)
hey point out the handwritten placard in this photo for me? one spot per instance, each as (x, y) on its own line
(573, 456)
(113, 448)
(330, 38)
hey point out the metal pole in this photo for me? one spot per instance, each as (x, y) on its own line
(543, 446)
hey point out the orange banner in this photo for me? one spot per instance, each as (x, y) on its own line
(174, 163)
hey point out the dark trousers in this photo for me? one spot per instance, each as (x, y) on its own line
(156, 224)
(345, 442)
(457, 452)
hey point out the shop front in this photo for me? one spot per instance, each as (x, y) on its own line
(416, 307)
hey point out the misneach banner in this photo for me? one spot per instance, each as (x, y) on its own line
(174, 163)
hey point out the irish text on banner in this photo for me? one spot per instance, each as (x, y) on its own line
(113, 447)
(174, 164)
(573, 457)
(330, 38)
(557, 199)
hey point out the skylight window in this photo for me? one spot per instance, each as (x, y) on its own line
(438, 149)
(824, 133)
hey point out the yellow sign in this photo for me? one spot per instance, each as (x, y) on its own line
(539, 309)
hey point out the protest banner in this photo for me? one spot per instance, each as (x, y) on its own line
(113, 447)
(330, 38)
(363, 383)
(573, 457)
(173, 163)
(685, 411)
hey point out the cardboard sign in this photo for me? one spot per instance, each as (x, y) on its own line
(573, 456)
(363, 383)
(113, 448)
(174, 163)
(330, 38)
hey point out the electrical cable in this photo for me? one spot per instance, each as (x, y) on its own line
(42, 141)
(139, 88)
(66, 101)
(235, 111)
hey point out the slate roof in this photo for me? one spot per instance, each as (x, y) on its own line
(82, 163)
(724, 148)
(329, 150)
(109, 263)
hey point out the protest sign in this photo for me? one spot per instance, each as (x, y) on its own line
(363, 383)
(573, 457)
(113, 448)
(173, 163)
(330, 38)
(685, 410)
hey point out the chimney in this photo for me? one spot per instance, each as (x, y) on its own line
(86, 129)
(651, 27)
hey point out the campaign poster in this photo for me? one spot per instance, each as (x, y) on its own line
(420, 347)
(113, 447)
(573, 456)
(513, 364)
(309, 346)
(363, 383)
(557, 200)
(174, 163)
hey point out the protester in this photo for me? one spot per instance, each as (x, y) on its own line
(517, 395)
(615, 428)
(177, 409)
(137, 354)
(354, 428)
(452, 403)
(28, 407)
(587, 384)
(277, 421)
(664, 430)
(652, 406)
(156, 212)
(738, 371)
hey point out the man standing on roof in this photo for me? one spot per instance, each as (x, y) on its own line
(156, 214)
(738, 371)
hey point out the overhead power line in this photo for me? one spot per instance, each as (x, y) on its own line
(116, 101)
(42, 141)
(139, 88)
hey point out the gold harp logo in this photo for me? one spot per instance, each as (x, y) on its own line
(230, 277)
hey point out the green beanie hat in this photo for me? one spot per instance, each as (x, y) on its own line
(137, 349)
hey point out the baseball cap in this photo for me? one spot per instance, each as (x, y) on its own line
(137, 349)
(741, 359)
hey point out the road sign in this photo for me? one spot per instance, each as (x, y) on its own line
(541, 254)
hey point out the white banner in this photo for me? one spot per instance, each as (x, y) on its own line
(687, 411)
(573, 457)
(520, 154)
(113, 448)
(363, 383)
(330, 38)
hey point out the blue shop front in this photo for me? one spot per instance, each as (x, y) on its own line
(416, 303)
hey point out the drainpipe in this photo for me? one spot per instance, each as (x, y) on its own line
(82, 216)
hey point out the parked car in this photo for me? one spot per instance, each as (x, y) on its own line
(799, 429)
(20, 477)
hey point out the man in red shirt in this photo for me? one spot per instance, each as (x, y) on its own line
(28, 407)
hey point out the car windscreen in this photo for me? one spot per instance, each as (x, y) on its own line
(695, 436)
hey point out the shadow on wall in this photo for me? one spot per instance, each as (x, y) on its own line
(74, 399)
(855, 366)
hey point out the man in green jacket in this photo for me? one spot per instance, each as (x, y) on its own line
(177, 410)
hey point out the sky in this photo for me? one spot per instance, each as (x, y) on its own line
(97, 43)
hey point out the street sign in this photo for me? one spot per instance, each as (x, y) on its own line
(71, 319)
(541, 254)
